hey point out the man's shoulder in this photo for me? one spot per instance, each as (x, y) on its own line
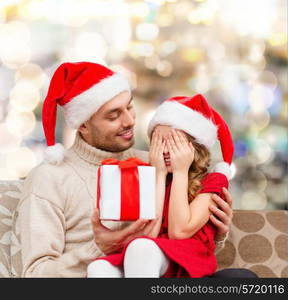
(46, 181)
(143, 155)
(45, 169)
(46, 175)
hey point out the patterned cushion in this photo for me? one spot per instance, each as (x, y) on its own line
(258, 240)
(9, 196)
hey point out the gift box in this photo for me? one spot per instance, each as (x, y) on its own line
(126, 190)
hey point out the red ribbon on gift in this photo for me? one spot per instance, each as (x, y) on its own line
(130, 208)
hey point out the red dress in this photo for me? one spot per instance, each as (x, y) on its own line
(192, 257)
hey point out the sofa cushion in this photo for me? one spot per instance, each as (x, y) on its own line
(258, 240)
(9, 196)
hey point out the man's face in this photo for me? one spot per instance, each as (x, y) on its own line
(111, 127)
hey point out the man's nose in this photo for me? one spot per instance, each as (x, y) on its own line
(129, 119)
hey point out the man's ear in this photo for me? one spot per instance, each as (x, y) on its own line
(83, 128)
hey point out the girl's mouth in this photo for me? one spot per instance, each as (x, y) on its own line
(167, 160)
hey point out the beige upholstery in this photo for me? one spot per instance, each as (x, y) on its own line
(258, 240)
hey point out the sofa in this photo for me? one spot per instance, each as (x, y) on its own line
(258, 239)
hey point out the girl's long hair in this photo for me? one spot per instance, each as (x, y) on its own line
(198, 169)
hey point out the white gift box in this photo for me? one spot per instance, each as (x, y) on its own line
(126, 194)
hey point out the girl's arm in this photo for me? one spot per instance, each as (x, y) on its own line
(185, 219)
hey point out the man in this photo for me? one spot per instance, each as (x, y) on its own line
(59, 196)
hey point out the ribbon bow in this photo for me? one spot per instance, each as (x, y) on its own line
(130, 206)
(131, 162)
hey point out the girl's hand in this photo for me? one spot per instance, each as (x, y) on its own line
(181, 152)
(156, 157)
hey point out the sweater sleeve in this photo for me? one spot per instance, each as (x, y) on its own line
(42, 232)
(42, 225)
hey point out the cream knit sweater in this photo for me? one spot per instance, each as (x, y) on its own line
(55, 209)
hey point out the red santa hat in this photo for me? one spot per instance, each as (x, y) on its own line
(194, 116)
(81, 89)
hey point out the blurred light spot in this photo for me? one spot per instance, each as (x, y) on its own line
(278, 192)
(269, 79)
(32, 73)
(256, 52)
(262, 151)
(216, 51)
(277, 39)
(253, 200)
(14, 38)
(8, 141)
(141, 49)
(151, 62)
(2, 15)
(157, 2)
(167, 48)
(24, 97)
(89, 46)
(165, 19)
(147, 31)
(31, 10)
(14, 56)
(277, 137)
(203, 14)
(139, 9)
(254, 180)
(192, 55)
(76, 15)
(260, 98)
(131, 76)
(164, 68)
(14, 32)
(259, 119)
(20, 162)
(20, 123)
(241, 148)
(249, 18)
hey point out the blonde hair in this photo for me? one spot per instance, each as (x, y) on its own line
(198, 169)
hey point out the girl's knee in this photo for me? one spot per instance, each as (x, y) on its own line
(94, 266)
(140, 247)
(101, 268)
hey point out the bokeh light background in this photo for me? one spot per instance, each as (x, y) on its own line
(234, 52)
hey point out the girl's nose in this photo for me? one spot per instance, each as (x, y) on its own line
(165, 151)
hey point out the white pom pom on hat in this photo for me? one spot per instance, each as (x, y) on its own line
(81, 88)
(54, 154)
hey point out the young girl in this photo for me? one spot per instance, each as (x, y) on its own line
(180, 242)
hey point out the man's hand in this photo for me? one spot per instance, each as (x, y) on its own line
(110, 241)
(222, 214)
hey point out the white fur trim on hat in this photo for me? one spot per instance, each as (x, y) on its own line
(224, 168)
(83, 106)
(54, 154)
(182, 117)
